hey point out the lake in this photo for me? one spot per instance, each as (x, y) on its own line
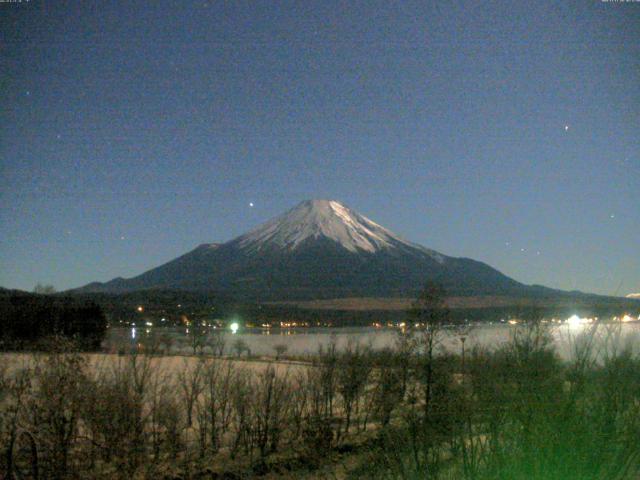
(305, 341)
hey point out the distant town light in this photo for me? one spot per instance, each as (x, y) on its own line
(140, 308)
(133, 332)
(574, 320)
(234, 327)
(149, 324)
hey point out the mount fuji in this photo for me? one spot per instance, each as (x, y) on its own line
(319, 249)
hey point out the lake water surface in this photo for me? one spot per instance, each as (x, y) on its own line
(305, 341)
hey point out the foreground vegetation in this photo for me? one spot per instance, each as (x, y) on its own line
(414, 411)
(516, 412)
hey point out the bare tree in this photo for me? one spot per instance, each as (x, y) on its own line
(299, 404)
(190, 380)
(389, 378)
(197, 338)
(214, 407)
(54, 407)
(166, 342)
(429, 311)
(428, 315)
(240, 346)
(115, 413)
(14, 391)
(217, 342)
(354, 367)
(271, 403)
(242, 392)
(280, 350)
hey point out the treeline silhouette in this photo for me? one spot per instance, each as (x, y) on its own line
(207, 306)
(27, 320)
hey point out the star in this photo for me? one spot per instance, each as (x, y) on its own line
(612, 216)
(251, 204)
(566, 128)
(122, 237)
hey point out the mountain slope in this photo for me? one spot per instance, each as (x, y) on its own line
(319, 249)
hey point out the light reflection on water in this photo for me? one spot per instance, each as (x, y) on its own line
(302, 341)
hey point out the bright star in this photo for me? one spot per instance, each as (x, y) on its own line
(251, 204)
(566, 128)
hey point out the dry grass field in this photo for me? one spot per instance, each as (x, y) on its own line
(170, 364)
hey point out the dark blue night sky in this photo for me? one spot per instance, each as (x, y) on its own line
(502, 131)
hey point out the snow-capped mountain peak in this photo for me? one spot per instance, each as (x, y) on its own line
(322, 218)
(318, 249)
